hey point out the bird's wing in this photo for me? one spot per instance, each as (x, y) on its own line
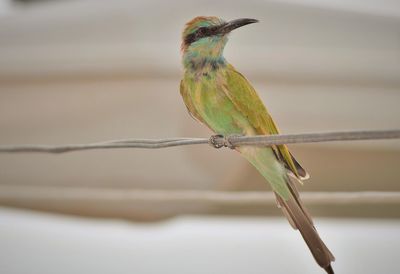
(246, 99)
(189, 104)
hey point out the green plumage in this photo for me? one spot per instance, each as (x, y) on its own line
(226, 102)
(218, 96)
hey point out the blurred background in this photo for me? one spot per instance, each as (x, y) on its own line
(87, 71)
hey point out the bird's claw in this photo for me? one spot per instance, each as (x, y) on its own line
(217, 141)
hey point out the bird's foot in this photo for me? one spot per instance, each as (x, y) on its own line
(216, 141)
(219, 141)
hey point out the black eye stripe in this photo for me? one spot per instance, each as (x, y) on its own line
(200, 33)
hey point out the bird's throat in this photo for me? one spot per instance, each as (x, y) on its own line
(205, 54)
(204, 63)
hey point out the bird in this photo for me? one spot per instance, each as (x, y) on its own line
(221, 98)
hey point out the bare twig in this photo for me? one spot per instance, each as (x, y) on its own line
(40, 193)
(230, 141)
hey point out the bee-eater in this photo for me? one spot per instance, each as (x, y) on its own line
(221, 98)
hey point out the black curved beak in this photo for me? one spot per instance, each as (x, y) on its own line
(234, 24)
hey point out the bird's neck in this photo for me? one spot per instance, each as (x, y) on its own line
(204, 55)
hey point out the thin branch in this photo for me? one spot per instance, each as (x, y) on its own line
(73, 194)
(217, 141)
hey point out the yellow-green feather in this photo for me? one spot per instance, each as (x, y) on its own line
(223, 100)
(246, 99)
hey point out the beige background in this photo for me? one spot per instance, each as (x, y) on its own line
(85, 71)
(90, 70)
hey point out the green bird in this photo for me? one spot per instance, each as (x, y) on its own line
(221, 98)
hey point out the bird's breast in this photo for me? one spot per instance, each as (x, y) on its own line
(208, 96)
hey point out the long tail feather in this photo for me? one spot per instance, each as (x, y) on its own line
(266, 162)
(301, 220)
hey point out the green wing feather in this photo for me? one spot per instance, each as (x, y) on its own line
(245, 98)
(227, 104)
(189, 104)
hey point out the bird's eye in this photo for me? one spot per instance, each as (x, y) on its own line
(201, 31)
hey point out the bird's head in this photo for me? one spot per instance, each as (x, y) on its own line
(206, 36)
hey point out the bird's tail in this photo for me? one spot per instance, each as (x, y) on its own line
(300, 219)
(266, 162)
